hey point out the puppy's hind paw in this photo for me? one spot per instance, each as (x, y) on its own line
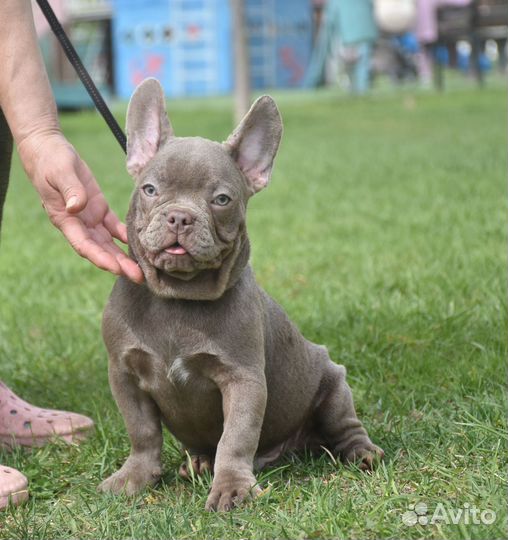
(199, 465)
(365, 456)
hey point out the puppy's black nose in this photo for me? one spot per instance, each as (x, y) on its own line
(179, 220)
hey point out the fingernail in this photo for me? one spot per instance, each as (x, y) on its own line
(71, 202)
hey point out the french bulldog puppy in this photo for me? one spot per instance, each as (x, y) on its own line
(200, 347)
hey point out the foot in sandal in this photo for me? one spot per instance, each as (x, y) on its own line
(13, 487)
(26, 425)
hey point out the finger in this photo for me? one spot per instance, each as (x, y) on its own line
(98, 256)
(72, 191)
(131, 270)
(82, 243)
(117, 229)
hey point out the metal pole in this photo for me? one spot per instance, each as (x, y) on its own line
(241, 61)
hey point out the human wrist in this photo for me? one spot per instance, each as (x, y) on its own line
(34, 146)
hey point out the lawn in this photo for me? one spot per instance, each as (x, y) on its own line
(383, 234)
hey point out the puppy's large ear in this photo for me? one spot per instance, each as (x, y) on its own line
(254, 143)
(148, 125)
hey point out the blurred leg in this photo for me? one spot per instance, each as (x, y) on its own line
(361, 74)
(425, 64)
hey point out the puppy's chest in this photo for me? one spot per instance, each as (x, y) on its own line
(170, 372)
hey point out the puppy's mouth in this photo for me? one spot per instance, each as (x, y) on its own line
(175, 249)
(179, 258)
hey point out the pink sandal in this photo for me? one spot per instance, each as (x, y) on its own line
(26, 425)
(13, 487)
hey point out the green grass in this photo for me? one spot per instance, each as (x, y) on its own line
(383, 234)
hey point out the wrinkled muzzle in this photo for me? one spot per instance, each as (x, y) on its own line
(181, 239)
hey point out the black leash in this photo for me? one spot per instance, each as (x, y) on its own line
(83, 74)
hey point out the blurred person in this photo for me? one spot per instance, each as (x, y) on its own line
(74, 204)
(426, 29)
(352, 23)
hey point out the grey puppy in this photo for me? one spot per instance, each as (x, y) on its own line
(201, 347)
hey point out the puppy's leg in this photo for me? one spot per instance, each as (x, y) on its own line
(338, 424)
(243, 403)
(142, 419)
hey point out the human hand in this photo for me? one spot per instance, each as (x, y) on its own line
(75, 203)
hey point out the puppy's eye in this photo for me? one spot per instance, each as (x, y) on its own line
(149, 190)
(221, 200)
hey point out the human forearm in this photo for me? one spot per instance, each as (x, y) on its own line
(25, 93)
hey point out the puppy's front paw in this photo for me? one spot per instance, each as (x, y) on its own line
(365, 455)
(132, 478)
(230, 489)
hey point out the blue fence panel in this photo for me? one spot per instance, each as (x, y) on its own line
(293, 41)
(280, 41)
(186, 44)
